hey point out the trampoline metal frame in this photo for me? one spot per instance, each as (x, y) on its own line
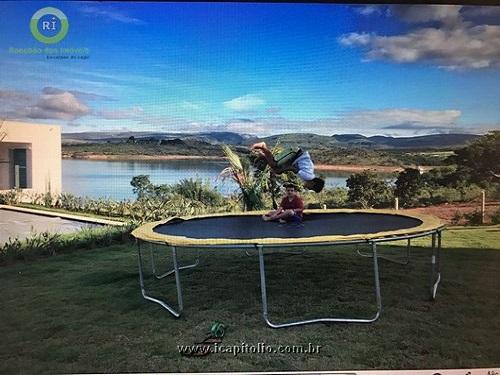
(161, 276)
(390, 259)
(435, 273)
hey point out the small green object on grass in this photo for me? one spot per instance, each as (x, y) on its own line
(217, 329)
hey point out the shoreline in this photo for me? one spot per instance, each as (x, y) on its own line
(140, 157)
(319, 167)
(360, 168)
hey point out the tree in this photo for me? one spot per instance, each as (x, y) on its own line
(443, 176)
(142, 186)
(408, 184)
(367, 189)
(479, 162)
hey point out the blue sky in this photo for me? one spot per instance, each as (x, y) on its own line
(257, 68)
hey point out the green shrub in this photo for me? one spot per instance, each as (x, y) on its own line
(474, 217)
(30, 248)
(367, 189)
(48, 244)
(48, 199)
(431, 195)
(331, 198)
(100, 206)
(89, 238)
(457, 218)
(441, 194)
(443, 176)
(145, 210)
(492, 190)
(187, 198)
(495, 217)
(11, 197)
(197, 190)
(468, 192)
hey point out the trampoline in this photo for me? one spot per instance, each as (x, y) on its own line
(247, 230)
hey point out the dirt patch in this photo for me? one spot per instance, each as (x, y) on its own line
(448, 211)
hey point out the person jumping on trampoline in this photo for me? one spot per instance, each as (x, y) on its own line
(294, 160)
(290, 209)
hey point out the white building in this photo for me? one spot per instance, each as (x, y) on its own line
(30, 157)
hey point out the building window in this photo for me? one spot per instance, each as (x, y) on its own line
(19, 171)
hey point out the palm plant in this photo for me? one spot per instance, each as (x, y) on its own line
(251, 187)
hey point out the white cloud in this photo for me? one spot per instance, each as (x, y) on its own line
(245, 103)
(426, 13)
(355, 39)
(51, 104)
(417, 13)
(391, 121)
(79, 94)
(464, 47)
(368, 10)
(402, 118)
(60, 106)
(456, 44)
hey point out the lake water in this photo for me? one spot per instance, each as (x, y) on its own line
(111, 179)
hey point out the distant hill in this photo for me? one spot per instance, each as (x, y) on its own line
(425, 141)
(305, 140)
(435, 141)
(117, 137)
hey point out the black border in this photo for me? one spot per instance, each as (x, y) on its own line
(345, 2)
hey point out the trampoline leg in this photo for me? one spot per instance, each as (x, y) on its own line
(436, 263)
(177, 282)
(265, 314)
(159, 277)
(177, 279)
(263, 288)
(389, 259)
(378, 296)
(408, 247)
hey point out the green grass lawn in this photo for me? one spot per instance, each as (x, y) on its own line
(83, 312)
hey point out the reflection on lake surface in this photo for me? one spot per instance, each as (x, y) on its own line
(111, 179)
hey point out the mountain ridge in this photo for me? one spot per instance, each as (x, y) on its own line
(304, 140)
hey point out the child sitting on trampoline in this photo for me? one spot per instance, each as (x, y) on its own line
(290, 209)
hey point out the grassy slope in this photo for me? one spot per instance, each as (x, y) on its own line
(83, 311)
